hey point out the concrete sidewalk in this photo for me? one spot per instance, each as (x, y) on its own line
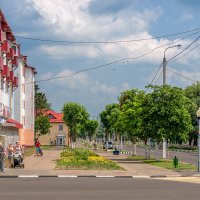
(45, 166)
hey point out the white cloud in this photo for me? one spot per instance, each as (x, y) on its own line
(71, 19)
(81, 82)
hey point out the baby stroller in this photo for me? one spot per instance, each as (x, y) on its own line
(17, 160)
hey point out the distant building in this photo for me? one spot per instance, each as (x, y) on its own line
(59, 131)
(16, 96)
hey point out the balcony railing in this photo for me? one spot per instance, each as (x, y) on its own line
(6, 71)
(5, 47)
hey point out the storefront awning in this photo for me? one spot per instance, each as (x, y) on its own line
(12, 123)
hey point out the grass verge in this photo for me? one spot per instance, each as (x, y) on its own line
(167, 164)
(84, 159)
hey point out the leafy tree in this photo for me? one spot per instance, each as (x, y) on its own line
(165, 114)
(75, 116)
(41, 102)
(42, 125)
(106, 119)
(91, 127)
(130, 103)
(193, 93)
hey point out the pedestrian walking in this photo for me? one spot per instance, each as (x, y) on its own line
(38, 148)
(10, 151)
(2, 157)
(19, 150)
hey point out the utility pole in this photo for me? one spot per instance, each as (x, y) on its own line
(164, 83)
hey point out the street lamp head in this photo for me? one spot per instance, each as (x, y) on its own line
(198, 113)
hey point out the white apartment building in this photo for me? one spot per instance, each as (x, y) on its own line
(24, 101)
(16, 90)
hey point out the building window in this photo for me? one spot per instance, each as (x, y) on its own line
(60, 127)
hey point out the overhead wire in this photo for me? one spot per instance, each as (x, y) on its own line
(172, 58)
(159, 67)
(185, 54)
(158, 77)
(179, 74)
(106, 42)
(111, 63)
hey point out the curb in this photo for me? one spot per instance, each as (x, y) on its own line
(95, 176)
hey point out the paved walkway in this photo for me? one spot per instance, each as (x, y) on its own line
(46, 164)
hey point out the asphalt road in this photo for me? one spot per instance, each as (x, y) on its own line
(182, 156)
(96, 189)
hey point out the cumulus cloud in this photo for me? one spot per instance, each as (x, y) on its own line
(71, 19)
(68, 80)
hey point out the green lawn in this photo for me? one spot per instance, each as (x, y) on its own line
(168, 164)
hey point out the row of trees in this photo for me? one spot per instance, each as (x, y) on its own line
(77, 119)
(166, 112)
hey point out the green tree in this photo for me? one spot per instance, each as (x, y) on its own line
(91, 127)
(75, 116)
(106, 119)
(42, 125)
(41, 102)
(193, 93)
(130, 104)
(165, 114)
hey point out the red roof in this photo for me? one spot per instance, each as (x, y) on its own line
(14, 123)
(54, 117)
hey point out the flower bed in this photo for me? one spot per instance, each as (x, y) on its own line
(84, 159)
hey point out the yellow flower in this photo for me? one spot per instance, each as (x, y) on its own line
(96, 158)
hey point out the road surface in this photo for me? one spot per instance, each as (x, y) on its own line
(96, 188)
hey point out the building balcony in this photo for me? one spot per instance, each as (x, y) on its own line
(15, 82)
(15, 61)
(1, 36)
(11, 77)
(5, 47)
(10, 55)
(6, 71)
(1, 64)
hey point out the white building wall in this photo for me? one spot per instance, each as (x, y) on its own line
(29, 103)
(17, 94)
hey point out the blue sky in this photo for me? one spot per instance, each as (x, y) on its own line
(102, 20)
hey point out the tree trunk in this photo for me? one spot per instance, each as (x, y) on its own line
(146, 150)
(134, 153)
(149, 151)
(121, 142)
(156, 150)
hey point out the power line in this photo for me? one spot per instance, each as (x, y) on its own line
(184, 49)
(159, 67)
(158, 77)
(111, 63)
(105, 42)
(185, 54)
(179, 74)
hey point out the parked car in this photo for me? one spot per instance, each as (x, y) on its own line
(107, 145)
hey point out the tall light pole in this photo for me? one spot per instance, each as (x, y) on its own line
(164, 83)
(198, 117)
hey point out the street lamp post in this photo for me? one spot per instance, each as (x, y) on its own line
(164, 83)
(198, 117)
